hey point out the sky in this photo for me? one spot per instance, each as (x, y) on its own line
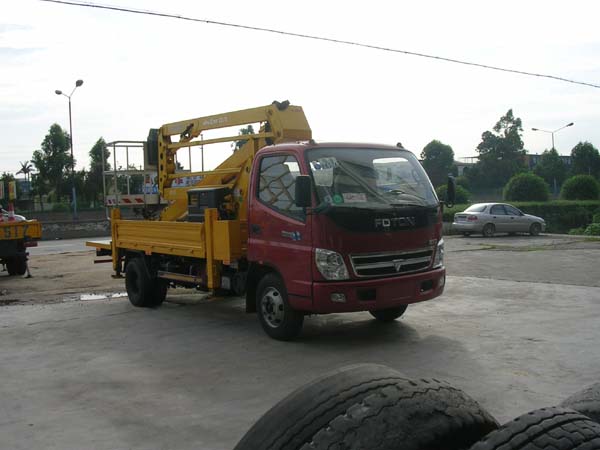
(140, 72)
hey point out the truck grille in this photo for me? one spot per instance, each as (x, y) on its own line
(391, 263)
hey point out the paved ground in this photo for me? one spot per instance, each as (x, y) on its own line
(516, 329)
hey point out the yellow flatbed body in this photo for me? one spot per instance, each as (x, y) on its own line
(27, 229)
(103, 245)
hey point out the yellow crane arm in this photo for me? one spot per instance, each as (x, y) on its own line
(280, 122)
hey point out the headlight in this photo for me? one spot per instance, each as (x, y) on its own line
(438, 260)
(331, 264)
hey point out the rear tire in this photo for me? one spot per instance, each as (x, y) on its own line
(534, 229)
(586, 401)
(409, 415)
(390, 314)
(276, 316)
(17, 265)
(555, 428)
(293, 421)
(142, 290)
(488, 230)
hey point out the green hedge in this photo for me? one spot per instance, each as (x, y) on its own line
(560, 215)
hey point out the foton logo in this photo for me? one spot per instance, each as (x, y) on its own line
(395, 222)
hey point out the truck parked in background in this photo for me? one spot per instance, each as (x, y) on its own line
(16, 235)
(297, 227)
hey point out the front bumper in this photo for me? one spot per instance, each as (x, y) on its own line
(380, 293)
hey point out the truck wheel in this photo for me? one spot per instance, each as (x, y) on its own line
(586, 401)
(408, 415)
(11, 266)
(142, 290)
(17, 265)
(535, 229)
(390, 314)
(556, 428)
(276, 316)
(488, 230)
(293, 421)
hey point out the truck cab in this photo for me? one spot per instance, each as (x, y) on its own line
(370, 238)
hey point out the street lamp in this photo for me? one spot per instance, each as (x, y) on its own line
(552, 132)
(73, 193)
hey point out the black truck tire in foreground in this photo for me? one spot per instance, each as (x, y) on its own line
(370, 406)
(586, 401)
(548, 428)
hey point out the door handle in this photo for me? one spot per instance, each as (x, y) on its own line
(255, 228)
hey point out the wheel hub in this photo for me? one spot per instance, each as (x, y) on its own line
(272, 307)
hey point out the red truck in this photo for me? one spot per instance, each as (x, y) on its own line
(299, 227)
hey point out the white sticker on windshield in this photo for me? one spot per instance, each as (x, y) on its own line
(354, 197)
(323, 177)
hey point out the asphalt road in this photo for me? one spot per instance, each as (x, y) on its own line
(516, 329)
(63, 246)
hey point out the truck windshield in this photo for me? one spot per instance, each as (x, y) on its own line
(369, 178)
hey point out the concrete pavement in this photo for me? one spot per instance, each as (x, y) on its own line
(100, 374)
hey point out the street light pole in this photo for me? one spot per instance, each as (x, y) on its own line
(73, 191)
(552, 132)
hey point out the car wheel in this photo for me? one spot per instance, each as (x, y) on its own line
(488, 230)
(535, 229)
(389, 314)
(276, 316)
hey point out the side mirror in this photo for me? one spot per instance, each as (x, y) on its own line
(302, 195)
(451, 192)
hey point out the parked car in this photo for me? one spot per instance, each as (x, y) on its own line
(491, 218)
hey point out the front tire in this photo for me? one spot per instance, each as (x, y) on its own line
(535, 229)
(276, 316)
(488, 230)
(389, 314)
(142, 290)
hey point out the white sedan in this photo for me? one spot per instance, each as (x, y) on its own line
(491, 218)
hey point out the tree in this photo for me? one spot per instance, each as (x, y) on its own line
(94, 185)
(500, 152)
(580, 187)
(526, 187)
(53, 162)
(438, 161)
(26, 169)
(5, 178)
(585, 160)
(551, 168)
(243, 131)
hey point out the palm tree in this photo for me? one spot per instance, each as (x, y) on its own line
(26, 169)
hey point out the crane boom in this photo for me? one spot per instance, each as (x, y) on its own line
(280, 122)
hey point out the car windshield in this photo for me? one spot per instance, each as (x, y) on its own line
(369, 178)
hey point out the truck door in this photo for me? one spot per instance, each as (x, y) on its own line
(279, 232)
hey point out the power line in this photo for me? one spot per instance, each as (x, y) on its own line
(319, 38)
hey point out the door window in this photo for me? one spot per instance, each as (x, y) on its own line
(512, 211)
(277, 184)
(498, 210)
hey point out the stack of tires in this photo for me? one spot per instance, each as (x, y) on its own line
(371, 407)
